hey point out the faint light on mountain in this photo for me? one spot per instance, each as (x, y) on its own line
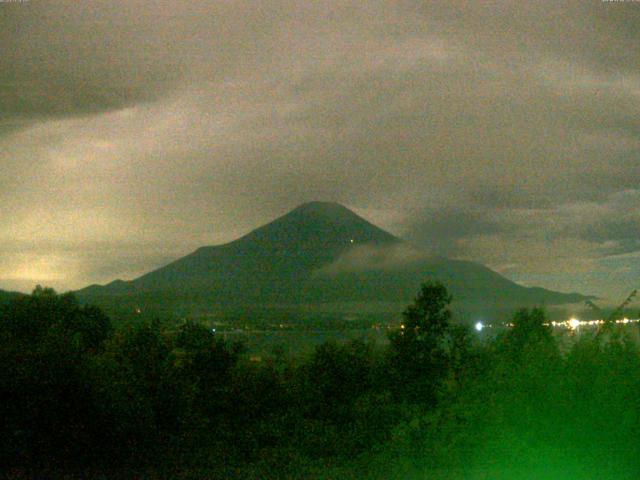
(352, 240)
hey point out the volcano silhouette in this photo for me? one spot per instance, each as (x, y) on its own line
(319, 253)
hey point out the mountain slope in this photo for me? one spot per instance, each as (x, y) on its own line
(6, 297)
(316, 254)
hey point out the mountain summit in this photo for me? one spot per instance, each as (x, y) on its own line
(315, 225)
(318, 253)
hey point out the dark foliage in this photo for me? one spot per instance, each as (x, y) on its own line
(419, 350)
(79, 399)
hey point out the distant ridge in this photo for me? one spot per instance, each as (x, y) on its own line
(6, 297)
(318, 253)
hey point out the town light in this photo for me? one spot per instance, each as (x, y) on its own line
(573, 323)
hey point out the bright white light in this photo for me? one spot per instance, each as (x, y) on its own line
(479, 326)
(352, 240)
(573, 323)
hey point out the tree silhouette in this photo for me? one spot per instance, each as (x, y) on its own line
(419, 350)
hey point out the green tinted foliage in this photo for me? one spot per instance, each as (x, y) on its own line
(429, 315)
(420, 350)
(45, 398)
(337, 376)
(529, 326)
(30, 318)
(76, 396)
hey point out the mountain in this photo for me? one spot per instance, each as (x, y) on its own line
(6, 297)
(318, 254)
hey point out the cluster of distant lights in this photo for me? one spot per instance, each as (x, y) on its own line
(571, 324)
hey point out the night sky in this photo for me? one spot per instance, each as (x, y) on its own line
(506, 132)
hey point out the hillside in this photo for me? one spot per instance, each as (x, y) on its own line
(6, 297)
(319, 253)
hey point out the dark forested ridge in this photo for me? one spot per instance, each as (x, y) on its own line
(6, 297)
(82, 399)
(319, 253)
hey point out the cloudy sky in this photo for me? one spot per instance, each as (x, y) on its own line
(507, 132)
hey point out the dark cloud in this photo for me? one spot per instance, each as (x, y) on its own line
(441, 230)
(621, 234)
(59, 59)
(615, 226)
